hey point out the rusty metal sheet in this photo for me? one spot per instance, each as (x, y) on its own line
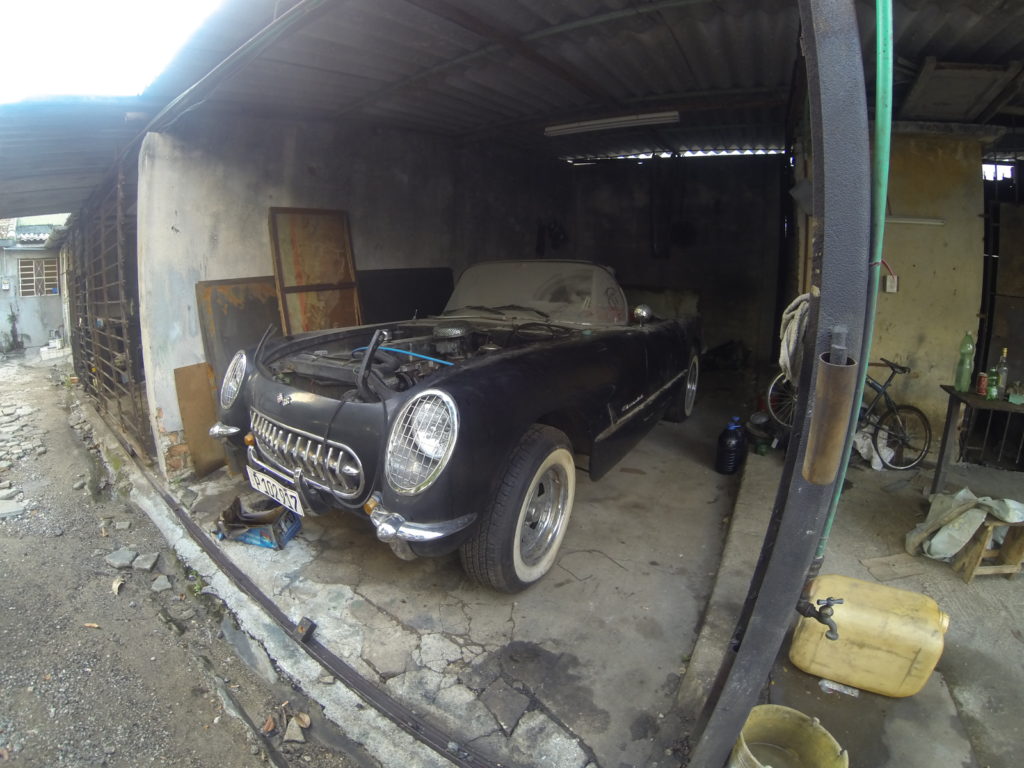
(314, 269)
(233, 314)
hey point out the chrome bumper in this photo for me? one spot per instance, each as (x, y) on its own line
(392, 527)
(223, 430)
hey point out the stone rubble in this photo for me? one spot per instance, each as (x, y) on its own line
(145, 562)
(11, 509)
(161, 583)
(121, 558)
(294, 732)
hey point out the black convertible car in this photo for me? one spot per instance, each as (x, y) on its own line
(461, 431)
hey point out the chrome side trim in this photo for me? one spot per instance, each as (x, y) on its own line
(616, 425)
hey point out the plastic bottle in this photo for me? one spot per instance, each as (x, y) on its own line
(732, 448)
(1003, 369)
(965, 364)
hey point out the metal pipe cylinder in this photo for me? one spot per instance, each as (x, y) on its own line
(834, 388)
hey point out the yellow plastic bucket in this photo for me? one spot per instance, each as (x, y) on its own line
(781, 737)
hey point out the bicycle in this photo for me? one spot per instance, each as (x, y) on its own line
(902, 433)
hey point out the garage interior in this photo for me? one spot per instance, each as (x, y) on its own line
(453, 132)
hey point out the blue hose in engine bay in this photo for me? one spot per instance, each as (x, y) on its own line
(406, 352)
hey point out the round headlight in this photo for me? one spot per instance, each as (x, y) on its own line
(421, 441)
(232, 384)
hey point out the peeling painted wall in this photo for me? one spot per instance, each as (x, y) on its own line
(413, 200)
(939, 265)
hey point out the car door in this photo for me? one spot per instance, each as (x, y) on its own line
(629, 415)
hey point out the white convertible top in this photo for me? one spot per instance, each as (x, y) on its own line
(566, 291)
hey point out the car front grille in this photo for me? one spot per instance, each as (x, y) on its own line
(327, 464)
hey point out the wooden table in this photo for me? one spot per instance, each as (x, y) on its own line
(975, 404)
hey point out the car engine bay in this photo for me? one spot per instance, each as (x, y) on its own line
(403, 355)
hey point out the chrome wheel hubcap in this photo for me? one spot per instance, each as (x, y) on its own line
(545, 511)
(691, 386)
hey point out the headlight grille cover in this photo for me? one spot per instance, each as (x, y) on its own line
(232, 380)
(421, 441)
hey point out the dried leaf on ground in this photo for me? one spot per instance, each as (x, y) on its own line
(302, 719)
(269, 725)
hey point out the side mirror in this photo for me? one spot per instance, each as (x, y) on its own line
(642, 314)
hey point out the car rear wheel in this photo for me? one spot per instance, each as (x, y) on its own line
(521, 531)
(682, 406)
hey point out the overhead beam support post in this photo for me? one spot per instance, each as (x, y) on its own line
(841, 226)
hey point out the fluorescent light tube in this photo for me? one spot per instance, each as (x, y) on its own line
(610, 123)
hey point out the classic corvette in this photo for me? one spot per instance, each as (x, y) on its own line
(463, 431)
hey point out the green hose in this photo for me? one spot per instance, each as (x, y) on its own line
(879, 193)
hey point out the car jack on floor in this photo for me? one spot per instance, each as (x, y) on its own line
(258, 521)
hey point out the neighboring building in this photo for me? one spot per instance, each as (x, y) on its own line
(31, 309)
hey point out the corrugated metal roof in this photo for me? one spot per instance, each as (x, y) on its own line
(499, 71)
(55, 153)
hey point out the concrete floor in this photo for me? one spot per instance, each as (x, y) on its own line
(583, 667)
(969, 712)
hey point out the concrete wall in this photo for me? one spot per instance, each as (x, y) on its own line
(413, 200)
(706, 226)
(37, 315)
(935, 178)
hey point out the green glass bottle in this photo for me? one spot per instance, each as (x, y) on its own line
(965, 364)
(1003, 369)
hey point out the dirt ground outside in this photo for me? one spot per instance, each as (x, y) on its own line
(108, 659)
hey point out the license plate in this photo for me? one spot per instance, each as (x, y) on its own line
(268, 486)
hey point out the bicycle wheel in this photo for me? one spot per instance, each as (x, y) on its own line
(782, 401)
(902, 437)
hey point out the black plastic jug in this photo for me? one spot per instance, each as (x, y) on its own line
(732, 447)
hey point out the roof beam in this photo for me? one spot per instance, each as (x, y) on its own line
(1008, 94)
(444, 10)
(556, 29)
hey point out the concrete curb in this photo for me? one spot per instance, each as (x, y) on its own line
(750, 516)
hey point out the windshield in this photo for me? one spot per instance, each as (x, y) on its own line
(559, 291)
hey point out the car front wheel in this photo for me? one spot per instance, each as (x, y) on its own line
(682, 407)
(519, 534)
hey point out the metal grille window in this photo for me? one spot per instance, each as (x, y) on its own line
(38, 277)
(102, 282)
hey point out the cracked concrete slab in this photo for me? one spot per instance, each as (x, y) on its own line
(505, 703)
(543, 743)
(576, 670)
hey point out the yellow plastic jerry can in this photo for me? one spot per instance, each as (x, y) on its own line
(889, 639)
